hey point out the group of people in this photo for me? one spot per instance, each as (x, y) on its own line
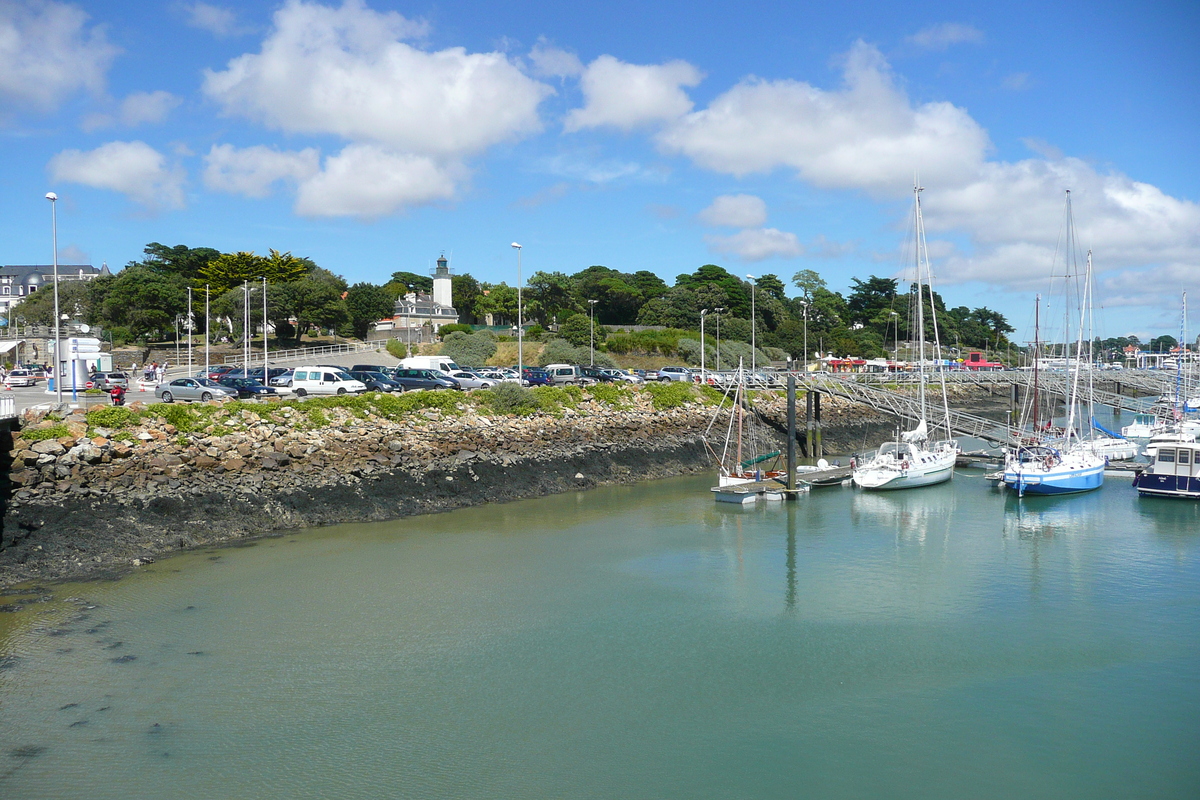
(153, 371)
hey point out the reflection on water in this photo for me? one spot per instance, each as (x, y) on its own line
(912, 513)
(634, 642)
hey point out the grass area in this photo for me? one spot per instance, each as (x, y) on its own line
(41, 434)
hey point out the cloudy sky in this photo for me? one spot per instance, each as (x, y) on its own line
(372, 135)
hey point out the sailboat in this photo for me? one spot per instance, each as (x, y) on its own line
(915, 458)
(1067, 463)
(746, 456)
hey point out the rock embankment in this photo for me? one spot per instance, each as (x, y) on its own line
(102, 490)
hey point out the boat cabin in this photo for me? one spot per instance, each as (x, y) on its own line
(1175, 472)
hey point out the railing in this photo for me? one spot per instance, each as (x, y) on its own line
(8, 407)
(275, 356)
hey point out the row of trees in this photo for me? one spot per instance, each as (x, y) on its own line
(148, 299)
(867, 321)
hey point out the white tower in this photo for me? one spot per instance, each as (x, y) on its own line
(442, 294)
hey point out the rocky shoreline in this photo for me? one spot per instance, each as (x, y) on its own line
(102, 499)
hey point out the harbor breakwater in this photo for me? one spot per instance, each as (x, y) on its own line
(104, 491)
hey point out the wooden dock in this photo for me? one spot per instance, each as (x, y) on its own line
(774, 490)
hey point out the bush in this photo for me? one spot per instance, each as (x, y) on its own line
(456, 327)
(41, 434)
(285, 330)
(670, 395)
(184, 418)
(613, 394)
(466, 348)
(534, 333)
(509, 398)
(111, 417)
(396, 348)
(560, 351)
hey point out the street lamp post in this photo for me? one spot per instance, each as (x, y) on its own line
(592, 330)
(804, 305)
(266, 378)
(191, 329)
(207, 332)
(246, 327)
(703, 314)
(753, 326)
(718, 313)
(520, 324)
(53, 198)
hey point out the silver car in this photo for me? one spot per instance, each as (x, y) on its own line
(472, 380)
(201, 389)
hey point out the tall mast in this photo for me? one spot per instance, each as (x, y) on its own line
(918, 233)
(1037, 346)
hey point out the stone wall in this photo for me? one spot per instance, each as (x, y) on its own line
(99, 499)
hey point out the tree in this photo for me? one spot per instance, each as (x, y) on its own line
(186, 262)
(145, 301)
(550, 296)
(310, 302)
(231, 269)
(808, 282)
(737, 291)
(366, 304)
(576, 330)
(402, 283)
(74, 300)
(465, 292)
(618, 300)
(771, 286)
(867, 298)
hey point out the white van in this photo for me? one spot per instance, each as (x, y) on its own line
(324, 380)
(443, 363)
(567, 373)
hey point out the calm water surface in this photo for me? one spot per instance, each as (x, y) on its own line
(639, 642)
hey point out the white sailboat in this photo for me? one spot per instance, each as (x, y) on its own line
(916, 457)
(746, 456)
(1068, 463)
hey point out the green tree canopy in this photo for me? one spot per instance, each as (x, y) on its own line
(366, 304)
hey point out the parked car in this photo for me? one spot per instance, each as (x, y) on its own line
(535, 376)
(216, 371)
(283, 379)
(22, 377)
(597, 374)
(254, 373)
(622, 375)
(383, 368)
(667, 374)
(429, 362)
(374, 380)
(325, 380)
(201, 389)
(248, 388)
(107, 380)
(567, 373)
(472, 380)
(432, 379)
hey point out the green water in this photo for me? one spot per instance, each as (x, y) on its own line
(639, 642)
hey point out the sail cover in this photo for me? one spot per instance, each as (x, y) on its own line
(917, 434)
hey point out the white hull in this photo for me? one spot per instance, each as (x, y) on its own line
(922, 468)
(1114, 449)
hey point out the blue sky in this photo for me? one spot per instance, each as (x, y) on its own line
(371, 136)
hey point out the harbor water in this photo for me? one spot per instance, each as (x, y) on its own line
(634, 642)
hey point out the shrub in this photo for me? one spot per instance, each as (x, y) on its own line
(396, 348)
(509, 398)
(560, 351)
(612, 394)
(534, 333)
(467, 348)
(456, 327)
(111, 417)
(670, 395)
(184, 418)
(41, 434)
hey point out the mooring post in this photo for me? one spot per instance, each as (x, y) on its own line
(808, 422)
(817, 424)
(791, 450)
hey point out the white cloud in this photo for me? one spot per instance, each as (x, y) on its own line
(217, 20)
(135, 169)
(345, 71)
(136, 109)
(551, 62)
(73, 254)
(48, 52)
(627, 96)
(864, 135)
(367, 181)
(756, 244)
(735, 211)
(587, 168)
(942, 35)
(252, 171)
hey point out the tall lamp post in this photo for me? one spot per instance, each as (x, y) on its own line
(266, 378)
(207, 332)
(592, 330)
(520, 324)
(246, 328)
(53, 198)
(804, 305)
(718, 313)
(753, 326)
(703, 314)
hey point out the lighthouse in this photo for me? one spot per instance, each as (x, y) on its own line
(442, 294)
